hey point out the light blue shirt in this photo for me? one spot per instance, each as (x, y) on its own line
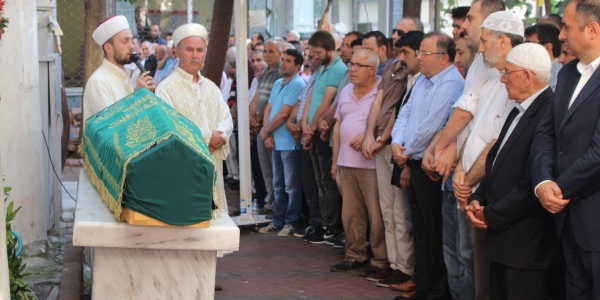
(427, 110)
(280, 96)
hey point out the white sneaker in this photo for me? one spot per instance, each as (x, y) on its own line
(269, 229)
(287, 230)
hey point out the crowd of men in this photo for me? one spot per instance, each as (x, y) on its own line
(446, 167)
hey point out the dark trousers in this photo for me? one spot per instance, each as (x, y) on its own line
(507, 283)
(425, 198)
(330, 200)
(309, 187)
(257, 176)
(583, 267)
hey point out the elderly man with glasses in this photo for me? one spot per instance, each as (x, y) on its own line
(354, 174)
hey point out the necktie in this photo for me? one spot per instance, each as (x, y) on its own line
(509, 120)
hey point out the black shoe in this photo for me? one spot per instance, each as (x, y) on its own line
(317, 237)
(305, 232)
(329, 234)
(341, 244)
(347, 265)
(370, 270)
(233, 184)
(263, 211)
(336, 239)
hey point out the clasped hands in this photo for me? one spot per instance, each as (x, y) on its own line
(267, 139)
(217, 140)
(475, 215)
(551, 197)
(399, 157)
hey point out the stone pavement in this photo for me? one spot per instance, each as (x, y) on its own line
(265, 267)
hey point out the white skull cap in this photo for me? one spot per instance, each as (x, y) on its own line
(530, 56)
(109, 28)
(504, 21)
(187, 30)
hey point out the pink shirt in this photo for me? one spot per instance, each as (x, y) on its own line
(354, 114)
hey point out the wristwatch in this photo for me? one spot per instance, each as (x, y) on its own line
(380, 140)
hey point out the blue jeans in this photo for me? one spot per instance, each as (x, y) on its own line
(458, 252)
(287, 188)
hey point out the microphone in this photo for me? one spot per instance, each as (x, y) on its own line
(136, 59)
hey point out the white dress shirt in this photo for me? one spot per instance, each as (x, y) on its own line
(522, 107)
(492, 110)
(586, 72)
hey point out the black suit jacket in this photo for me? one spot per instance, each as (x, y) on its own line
(151, 64)
(566, 150)
(519, 231)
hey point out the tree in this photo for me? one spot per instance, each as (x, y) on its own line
(95, 12)
(412, 8)
(218, 38)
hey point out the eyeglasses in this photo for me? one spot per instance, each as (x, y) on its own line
(351, 64)
(504, 73)
(425, 53)
(399, 31)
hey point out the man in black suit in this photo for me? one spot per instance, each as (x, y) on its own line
(150, 63)
(566, 157)
(519, 240)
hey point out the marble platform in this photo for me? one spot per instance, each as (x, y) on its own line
(148, 262)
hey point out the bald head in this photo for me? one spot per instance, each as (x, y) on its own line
(161, 52)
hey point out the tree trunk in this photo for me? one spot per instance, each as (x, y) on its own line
(95, 12)
(325, 17)
(412, 8)
(218, 39)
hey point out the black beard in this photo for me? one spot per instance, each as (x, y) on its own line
(326, 60)
(122, 60)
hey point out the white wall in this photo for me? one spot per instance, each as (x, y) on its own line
(20, 123)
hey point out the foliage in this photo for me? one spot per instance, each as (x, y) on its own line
(3, 20)
(18, 288)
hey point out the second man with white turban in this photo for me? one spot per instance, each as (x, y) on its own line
(519, 238)
(199, 99)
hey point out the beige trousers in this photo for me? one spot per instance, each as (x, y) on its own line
(399, 243)
(359, 210)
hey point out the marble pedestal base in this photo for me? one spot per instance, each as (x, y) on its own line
(133, 262)
(142, 274)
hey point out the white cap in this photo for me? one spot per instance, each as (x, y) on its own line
(504, 21)
(108, 28)
(530, 56)
(187, 30)
(170, 44)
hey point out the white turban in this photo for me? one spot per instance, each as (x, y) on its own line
(530, 56)
(108, 28)
(504, 21)
(187, 30)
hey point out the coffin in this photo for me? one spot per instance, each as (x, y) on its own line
(149, 163)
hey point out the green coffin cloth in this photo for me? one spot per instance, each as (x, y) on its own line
(142, 154)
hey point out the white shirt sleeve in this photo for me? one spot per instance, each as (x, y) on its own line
(477, 76)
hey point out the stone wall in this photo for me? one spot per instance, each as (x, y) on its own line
(21, 144)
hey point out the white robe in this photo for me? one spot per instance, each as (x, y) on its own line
(107, 85)
(203, 104)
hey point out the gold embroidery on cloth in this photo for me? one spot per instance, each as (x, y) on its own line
(140, 132)
(117, 146)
